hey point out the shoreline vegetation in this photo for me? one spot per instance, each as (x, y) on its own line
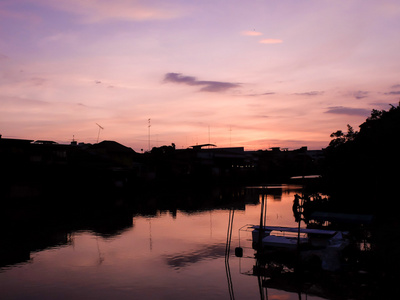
(360, 169)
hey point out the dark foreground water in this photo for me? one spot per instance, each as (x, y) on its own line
(134, 254)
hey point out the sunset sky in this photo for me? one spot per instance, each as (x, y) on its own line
(256, 74)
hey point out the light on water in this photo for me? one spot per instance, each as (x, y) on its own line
(167, 255)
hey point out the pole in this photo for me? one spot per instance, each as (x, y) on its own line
(261, 229)
(149, 133)
(227, 251)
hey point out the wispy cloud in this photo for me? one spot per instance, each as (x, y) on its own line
(250, 33)
(393, 93)
(312, 93)
(126, 10)
(271, 41)
(360, 94)
(342, 110)
(262, 94)
(208, 86)
(263, 41)
(15, 103)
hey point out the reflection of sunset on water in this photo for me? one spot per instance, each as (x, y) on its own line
(176, 253)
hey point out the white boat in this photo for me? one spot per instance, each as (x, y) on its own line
(312, 245)
(307, 246)
(290, 238)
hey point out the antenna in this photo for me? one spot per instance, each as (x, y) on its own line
(74, 143)
(98, 135)
(149, 132)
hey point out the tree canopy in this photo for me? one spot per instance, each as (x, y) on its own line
(362, 166)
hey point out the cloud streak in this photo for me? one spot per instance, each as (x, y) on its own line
(263, 41)
(103, 10)
(271, 41)
(261, 94)
(312, 93)
(393, 93)
(360, 94)
(350, 111)
(250, 33)
(207, 86)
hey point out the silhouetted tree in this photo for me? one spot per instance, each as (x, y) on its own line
(361, 168)
(339, 137)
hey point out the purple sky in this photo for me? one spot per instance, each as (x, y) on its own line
(257, 74)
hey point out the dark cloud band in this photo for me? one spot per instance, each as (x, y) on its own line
(393, 93)
(360, 94)
(342, 110)
(207, 86)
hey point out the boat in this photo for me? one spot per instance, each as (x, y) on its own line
(291, 238)
(312, 246)
(320, 247)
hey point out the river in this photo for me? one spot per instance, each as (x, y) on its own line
(146, 251)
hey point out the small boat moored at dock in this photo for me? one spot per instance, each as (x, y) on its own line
(307, 246)
(290, 238)
(321, 245)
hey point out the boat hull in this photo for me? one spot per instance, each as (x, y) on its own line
(282, 242)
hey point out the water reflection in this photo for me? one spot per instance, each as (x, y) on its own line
(181, 260)
(33, 233)
(169, 245)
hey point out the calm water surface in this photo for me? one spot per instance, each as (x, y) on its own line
(175, 254)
